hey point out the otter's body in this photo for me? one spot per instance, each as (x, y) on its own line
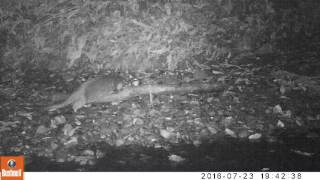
(91, 91)
(110, 88)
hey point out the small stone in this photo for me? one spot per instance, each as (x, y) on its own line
(287, 114)
(165, 134)
(54, 146)
(210, 99)
(60, 120)
(230, 132)
(136, 82)
(73, 141)
(82, 162)
(280, 124)
(60, 160)
(277, 109)
(42, 130)
(197, 143)
(77, 122)
(100, 154)
(204, 133)
(137, 121)
(157, 145)
(168, 118)
(88, 152)
(176, 158)
(227, 121)
(212, 130)
(267, 111)
(170, 129)
(255, 136)
(119, 142)
(243, 133)
(91, 162)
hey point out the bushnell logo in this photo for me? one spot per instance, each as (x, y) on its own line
(12, 163)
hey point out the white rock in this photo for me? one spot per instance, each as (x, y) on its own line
(230, 132)
(255, 136)
(165, 134)
(176, 158)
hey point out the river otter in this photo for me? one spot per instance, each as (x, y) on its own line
(111, 88)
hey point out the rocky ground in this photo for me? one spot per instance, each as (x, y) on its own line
(266, 113)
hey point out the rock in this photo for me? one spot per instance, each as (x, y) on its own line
(137, 121)
(210, 99)
(68, 130)
(280, 124)
(59, 120)
(243, 133)
(42, 130)
(287, 114)
(255, 136)
(277, 109)
(165, 134)
(204, 133)
(197, 143)
(60, 160)
(54, 146)
(91, 162)
(73, 141)
(100, 154)
(119, 142)
(176, 158)
(226, 122)
(136, 82)
(88, 152)
(230, 132)
(157, 145)
(212, 130)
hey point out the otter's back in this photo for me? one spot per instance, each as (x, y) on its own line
(103, 86)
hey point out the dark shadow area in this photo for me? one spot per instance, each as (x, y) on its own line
(222, 155)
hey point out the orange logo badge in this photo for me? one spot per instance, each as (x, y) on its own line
(12, 167)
